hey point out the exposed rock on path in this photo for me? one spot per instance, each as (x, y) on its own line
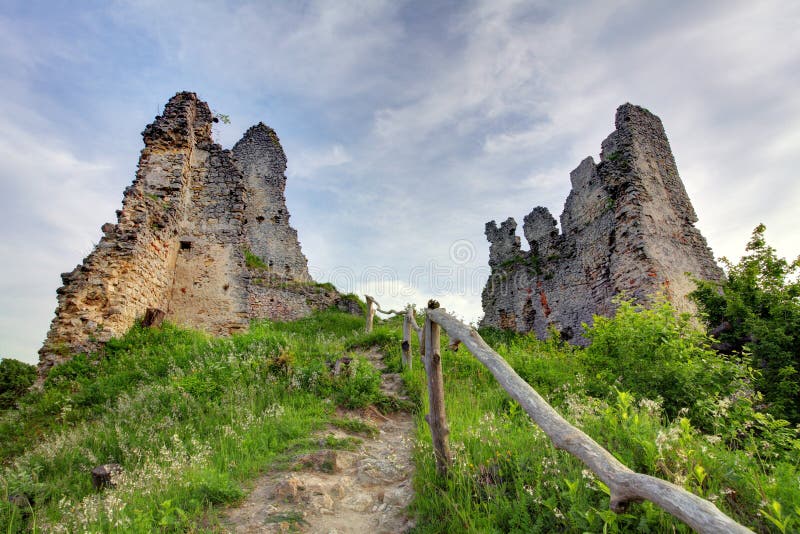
(340, 491)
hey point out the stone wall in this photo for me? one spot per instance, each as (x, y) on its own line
(627, 226)
(179, 244)
(260, 158)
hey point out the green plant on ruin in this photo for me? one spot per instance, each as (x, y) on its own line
(274, 138)
(529, 260)
(352, 297)
(252, 261)
(164, 202)
(610, 204)
(326, 286)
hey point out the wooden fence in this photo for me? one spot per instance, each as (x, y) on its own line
(626, 486)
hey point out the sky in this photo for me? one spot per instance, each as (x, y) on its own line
(407, 124)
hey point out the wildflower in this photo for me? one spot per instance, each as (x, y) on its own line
(652, 407)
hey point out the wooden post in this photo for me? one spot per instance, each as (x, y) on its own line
(371, 304)
(436, 418)
(406, 345)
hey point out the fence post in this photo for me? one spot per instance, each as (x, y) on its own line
(406, 346)
(437, 421)
(371, 304)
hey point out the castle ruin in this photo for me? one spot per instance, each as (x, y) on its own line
(627, 227)
(203, 235)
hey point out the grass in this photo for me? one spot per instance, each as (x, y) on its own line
(190, 418)
(193, 419)
(356, 426)
(507, 477)
(252, 261)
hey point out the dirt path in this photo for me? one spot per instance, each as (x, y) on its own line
(338, 491)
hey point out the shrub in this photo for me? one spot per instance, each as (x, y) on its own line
(655, 352)
(15, 379)
(359, 387)
(757, 310)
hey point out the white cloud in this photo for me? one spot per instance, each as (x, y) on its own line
(308, 162)
(53, 204)
(407, 132)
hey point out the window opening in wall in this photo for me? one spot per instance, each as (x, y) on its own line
(186, 245)
(260, 218)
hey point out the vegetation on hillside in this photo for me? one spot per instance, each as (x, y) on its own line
(16, 378)
(642, 393)
(192, 419)
(755, 311)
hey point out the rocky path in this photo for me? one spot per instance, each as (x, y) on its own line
(366, 489)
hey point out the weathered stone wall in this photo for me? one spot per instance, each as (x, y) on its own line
(209, 289)
(627, 226)
(180, 240)
(260, 158)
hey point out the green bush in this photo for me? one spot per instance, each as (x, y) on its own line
(359, 387)
(655, 352)
(16, 378)
(79, 367)
(756, 310)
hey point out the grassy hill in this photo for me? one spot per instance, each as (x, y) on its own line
(193, 418)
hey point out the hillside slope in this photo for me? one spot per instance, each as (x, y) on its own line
(194, 420)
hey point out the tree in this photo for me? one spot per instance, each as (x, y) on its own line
(756, 311)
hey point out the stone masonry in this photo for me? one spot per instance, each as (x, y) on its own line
(627, 227)
(192, 216)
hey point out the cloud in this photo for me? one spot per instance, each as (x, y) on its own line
(52, 204)
(307, 163)
(312, 49)
(407, 125)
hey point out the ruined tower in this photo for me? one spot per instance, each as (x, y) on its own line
(627, 226)
(203, 235)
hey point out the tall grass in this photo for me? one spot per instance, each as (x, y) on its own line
(189, 417)
(507, 476)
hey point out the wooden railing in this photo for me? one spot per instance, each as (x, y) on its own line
(409, 323)
(626, 486)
